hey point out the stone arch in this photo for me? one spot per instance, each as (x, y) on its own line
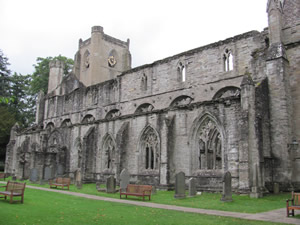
(149, 148)
(181, 100)
(54, 141)
(24, 158)
(56, 156)
(144, 108)
(88, 118)
(114, 113)
(50, 127)
(108, 154)
(207, 144)
(66, 123)
(229, 91)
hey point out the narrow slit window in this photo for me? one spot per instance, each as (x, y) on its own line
(228, 60)
(181, 72)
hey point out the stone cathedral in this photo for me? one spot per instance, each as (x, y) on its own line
(233, 105)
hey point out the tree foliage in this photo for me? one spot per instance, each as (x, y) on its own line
(40, 76)
(4, 77)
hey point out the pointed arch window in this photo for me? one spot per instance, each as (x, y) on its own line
(149, 144)
(144, 83)
(181, 72)
(227, 60)
(209, 146)
(109, 151)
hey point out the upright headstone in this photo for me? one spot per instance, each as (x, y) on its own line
(192, 187)
(124, 179)
(111, 184)
(180, 185)
(33, 175)
(60, 170)
(78, 181)
(227, 194)
(47, 173)
(276, 189)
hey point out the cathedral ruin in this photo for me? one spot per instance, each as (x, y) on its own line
(233, 105)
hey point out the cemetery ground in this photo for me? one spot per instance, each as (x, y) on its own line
(42, 207)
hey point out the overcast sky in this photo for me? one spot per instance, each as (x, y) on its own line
(156, 28)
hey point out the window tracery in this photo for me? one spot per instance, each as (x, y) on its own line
(150, 149)
(210, 146)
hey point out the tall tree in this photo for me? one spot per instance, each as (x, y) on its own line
(4, 78)
(40, 76)
(23, 104)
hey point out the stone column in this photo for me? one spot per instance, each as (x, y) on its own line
(164, 156)
(250, 173)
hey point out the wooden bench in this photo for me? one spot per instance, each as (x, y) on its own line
(137, 190)
(2, 176)
(292, 204)
(60, 182)
(13, 189)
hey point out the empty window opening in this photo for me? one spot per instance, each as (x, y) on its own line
(228, 60)
(181, 72)
(144, 83)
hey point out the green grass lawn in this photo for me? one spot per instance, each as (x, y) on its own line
(48, 208)
(240, 203)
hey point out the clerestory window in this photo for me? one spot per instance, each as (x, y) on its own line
(181, 72)
(227, 60)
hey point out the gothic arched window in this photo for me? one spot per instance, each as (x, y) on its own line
(209, 146)
(227, 60)
(109, 153)
(181, 72)
(150, 149)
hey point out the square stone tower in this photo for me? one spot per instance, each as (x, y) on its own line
(101, 58)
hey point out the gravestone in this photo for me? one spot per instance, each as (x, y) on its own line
(60, 170)
(153, 192)
(227, 194)
(124, 179)
(180, 185)
(47, 173)
(34, 175)
(192, 187)
(78, 181)
(276, 189)
(111, 184)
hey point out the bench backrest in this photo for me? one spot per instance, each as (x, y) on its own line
(296, 197)
(15, 186)
(133, 188)
(63, 180)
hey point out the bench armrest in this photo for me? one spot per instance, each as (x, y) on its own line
(3, 186)
(289, 200)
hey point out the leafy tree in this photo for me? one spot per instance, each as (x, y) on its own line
(7, 120)
(4, 77)
(23, 104)
(40, 76)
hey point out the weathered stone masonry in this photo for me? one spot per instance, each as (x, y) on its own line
(228, 106)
